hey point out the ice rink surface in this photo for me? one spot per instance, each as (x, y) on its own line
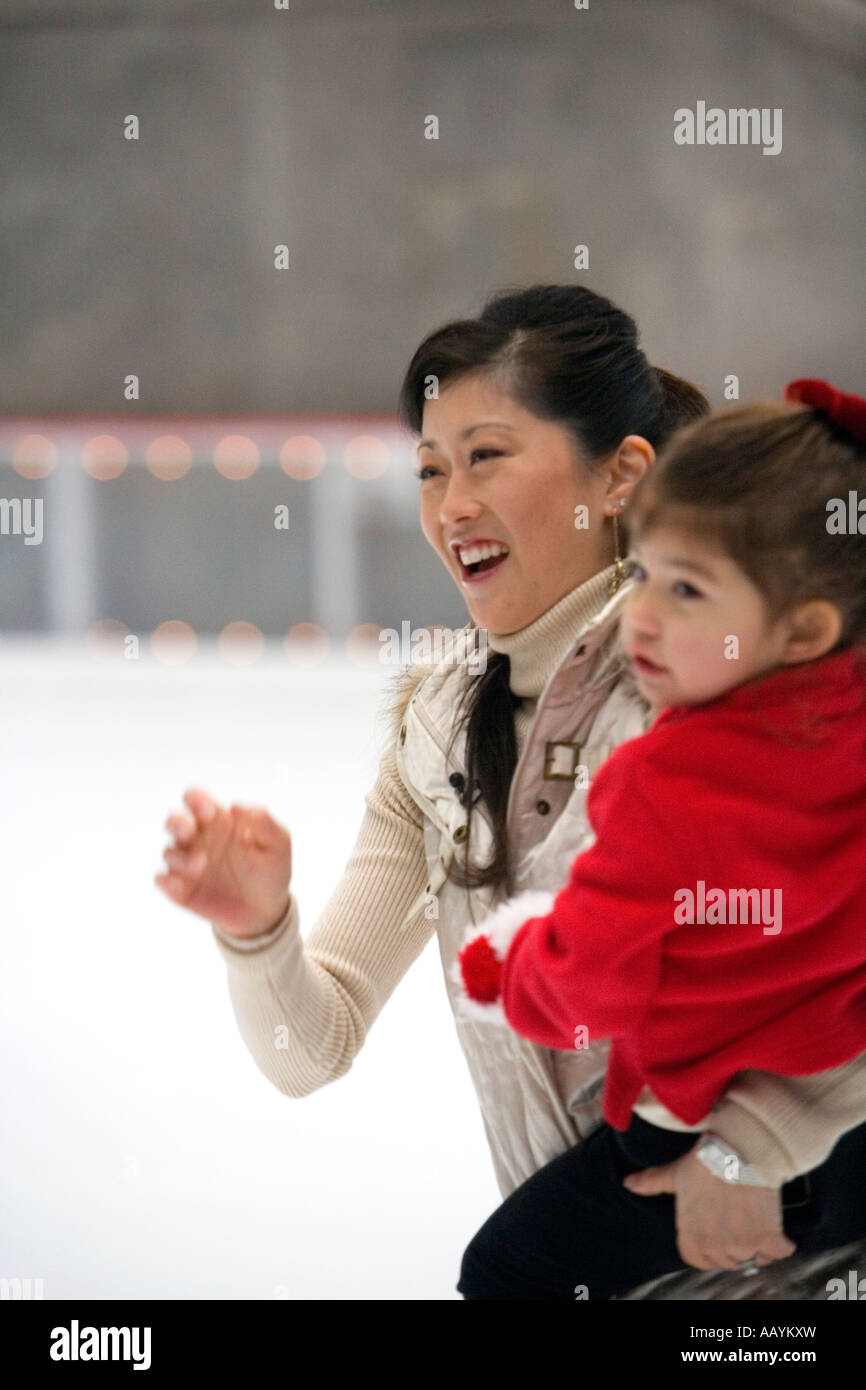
(143, 1154)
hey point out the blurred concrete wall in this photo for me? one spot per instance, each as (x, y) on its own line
(306, 126)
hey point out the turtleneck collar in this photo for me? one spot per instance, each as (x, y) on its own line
(535, 651)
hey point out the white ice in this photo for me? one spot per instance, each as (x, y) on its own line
(143, 1155)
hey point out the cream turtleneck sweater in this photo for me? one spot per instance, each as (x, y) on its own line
(536, 651)
(326, 991)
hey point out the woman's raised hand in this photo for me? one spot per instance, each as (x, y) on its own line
(231, 866)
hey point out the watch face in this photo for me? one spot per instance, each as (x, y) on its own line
(732, 1168)
(724, 1163)
(719, 1160)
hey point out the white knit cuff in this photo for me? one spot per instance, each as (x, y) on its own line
(473, 1011)
(505, 922)
(501, 927)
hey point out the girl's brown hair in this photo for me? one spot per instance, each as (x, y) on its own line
(765, 482)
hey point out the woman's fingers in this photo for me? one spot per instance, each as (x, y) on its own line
(172, 884)
(203, 807)
(182, 827)
(776, 1246)
(188, 864)
(708, 1254)
(257, 826)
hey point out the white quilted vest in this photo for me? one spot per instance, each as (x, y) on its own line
(535, 1102)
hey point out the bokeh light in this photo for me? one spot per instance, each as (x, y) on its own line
(365, 457)
(104, 457)
(106, 638)
(34, 456)
(241, 643)
(168, 457)
(173, 642)
(363, 646)
(306, 644)
(302, 457)
(236, 457)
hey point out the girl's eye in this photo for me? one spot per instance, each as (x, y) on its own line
(692, 591)
(634, 570)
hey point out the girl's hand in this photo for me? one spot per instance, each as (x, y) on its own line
(718, 1223)
(232, 867)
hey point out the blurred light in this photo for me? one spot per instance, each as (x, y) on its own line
(363, 645)
(168, 457)
(240, 643)
(34, 456)
(104, 457)
(366, 457)
(307, 644)
(236, 457)
(105, 639)
(302, 457)
(173, 642)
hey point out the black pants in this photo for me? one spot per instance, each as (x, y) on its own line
(573, 1223)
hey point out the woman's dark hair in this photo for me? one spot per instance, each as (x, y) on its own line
(760, 481)
(570, 356)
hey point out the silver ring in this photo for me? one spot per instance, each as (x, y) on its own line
(748, 1267)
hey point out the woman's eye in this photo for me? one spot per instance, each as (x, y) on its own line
(429, 471)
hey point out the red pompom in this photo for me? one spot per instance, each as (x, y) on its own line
(481, 970)
(848, 412)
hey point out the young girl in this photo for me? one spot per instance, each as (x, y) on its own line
(716, 922)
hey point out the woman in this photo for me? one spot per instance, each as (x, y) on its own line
(536, 420)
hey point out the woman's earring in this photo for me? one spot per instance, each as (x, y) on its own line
(620, 574)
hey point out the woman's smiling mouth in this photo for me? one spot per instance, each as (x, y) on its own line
(477, 558)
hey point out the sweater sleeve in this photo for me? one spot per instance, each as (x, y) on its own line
(304, 1007)
(787, 1125)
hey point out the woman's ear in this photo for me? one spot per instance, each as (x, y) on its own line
(627, 465)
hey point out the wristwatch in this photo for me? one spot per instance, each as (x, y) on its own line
(725, 1163)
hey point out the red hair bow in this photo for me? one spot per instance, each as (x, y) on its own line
(849, 412)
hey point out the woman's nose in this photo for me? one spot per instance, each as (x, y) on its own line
(459, 501)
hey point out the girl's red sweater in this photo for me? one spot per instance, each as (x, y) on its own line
(763, 788)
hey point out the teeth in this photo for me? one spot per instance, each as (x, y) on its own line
(474, 553)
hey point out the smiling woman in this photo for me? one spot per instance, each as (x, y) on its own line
(546, 408)
(499, 487)
(545, 403)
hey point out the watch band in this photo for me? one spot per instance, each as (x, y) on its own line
(725, 1163)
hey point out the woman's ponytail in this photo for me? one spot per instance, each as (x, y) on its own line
(682, 402)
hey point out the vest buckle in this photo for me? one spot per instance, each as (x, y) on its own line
(561, 761)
